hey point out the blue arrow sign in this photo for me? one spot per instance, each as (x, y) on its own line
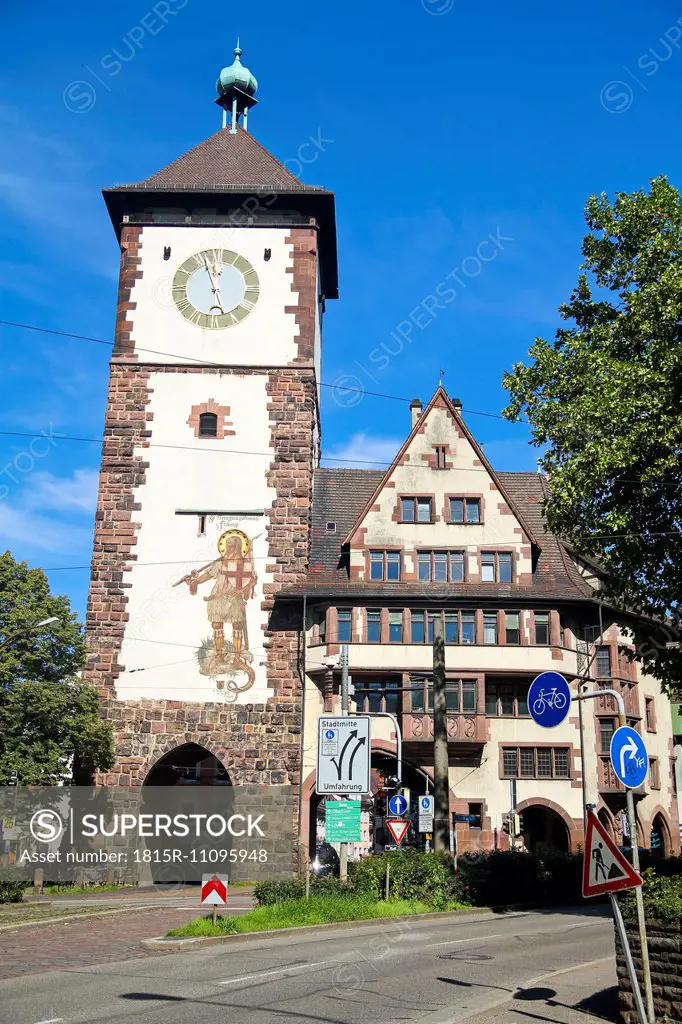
(629, 757)
(397, 805)
(549, 699)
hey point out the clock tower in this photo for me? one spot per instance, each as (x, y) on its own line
(210, 442)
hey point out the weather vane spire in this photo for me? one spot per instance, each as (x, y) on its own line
(236, 91)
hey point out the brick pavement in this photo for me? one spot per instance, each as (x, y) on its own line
(72, 945)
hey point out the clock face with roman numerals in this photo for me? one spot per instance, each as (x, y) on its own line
(215, 289)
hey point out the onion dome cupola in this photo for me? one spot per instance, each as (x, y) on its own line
(236, 88)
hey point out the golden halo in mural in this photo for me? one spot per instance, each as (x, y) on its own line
(224, 537)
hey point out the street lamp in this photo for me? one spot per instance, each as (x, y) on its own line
(22, 632)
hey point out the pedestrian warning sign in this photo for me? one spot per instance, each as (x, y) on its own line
(605, 868)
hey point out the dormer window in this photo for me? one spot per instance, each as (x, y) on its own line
(416, 510)
(208, 424)
(465, 510)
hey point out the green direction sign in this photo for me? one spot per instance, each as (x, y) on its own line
(342, 821)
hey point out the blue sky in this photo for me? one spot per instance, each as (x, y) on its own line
(446, 123)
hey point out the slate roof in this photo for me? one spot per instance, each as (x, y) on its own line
(341, 494)
(225, 162)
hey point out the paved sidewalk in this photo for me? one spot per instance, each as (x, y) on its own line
(83, 942)
(585, 995)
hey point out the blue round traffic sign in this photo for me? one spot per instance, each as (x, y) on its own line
(629, 757)
(397, 805)
(426, 802)
(549, 699)
(329, 735)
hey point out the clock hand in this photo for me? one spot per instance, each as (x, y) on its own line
(215, 287)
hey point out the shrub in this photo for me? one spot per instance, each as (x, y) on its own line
(277, 891)
(12, 892)
(662, 898)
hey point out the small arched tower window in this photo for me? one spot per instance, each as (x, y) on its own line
(208, 424)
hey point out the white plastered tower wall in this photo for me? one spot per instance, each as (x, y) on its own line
(226, 478)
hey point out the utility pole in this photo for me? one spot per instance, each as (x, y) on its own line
(343, 852)
(441, 788)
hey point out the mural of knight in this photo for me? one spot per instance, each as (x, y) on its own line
(234, 582)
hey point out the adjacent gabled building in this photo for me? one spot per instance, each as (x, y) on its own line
(440, 534)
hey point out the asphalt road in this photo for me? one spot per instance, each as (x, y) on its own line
(428, 972)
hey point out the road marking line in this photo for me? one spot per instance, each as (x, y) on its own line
(280, 970)
(494, 1004)
(52, 1020)
(454, 942)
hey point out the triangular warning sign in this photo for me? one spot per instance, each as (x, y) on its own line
(605, 868)
(398, 828)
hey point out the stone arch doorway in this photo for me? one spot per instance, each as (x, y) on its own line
(607, 821)
(659, 838)
(544, 829)
(188, 765)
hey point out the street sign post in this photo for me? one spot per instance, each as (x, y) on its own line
(629, 757)
(342, 821)
(426, 814)
(214, 892)
(605, 868)
(398, 828)
(467, 819)
(549, 699)
(343, 756)
(397, 805)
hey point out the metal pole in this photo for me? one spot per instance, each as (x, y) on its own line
(343, 853)
(632, 824)
(441, 801)
(582, 773)
(398, 738)
(618, 917)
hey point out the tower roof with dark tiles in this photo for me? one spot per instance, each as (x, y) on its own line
(225, 161)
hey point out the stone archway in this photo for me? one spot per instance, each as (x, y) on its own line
(546, 825)
(188, 764)
(607, 820)
(660, 839)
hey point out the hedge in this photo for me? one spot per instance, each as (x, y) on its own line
(12, 892)
(496, 879)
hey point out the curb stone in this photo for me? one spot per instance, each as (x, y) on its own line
(180, 944)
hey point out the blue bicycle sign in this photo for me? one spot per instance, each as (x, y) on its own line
(549, 699)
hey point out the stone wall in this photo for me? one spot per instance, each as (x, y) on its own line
(665, 955)
(256, 742)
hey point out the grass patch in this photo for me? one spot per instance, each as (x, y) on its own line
(79, 890)
(316, 910)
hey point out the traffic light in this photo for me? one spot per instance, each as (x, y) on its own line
(392, 782)
(505, 824)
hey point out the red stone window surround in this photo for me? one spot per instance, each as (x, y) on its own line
(536, 761)
(650, 714)
(221, 412)
(464, 498)
(414, 506)
(493, 558)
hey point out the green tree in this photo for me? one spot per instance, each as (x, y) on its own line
(605, 398)
(50, 727)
